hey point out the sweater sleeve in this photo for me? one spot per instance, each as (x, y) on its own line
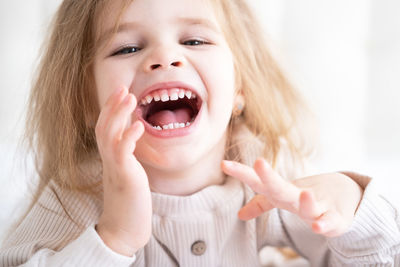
(87, 250)
(372, 240)
(47, 236)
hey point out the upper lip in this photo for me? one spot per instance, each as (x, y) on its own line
(168, 85)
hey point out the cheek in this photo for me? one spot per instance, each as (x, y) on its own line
(222, 83)
(109, 76)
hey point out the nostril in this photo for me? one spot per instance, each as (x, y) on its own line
(176, 64)
(155, 66)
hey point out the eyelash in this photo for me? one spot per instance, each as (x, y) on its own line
(200, 42)
(128, 49)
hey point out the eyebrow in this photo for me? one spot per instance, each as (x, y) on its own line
(129, 26)
(197, 21)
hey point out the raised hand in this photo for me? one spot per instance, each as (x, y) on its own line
(125, 224)
(326, 202)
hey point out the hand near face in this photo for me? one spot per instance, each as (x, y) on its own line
(125, 224)
(326, 202)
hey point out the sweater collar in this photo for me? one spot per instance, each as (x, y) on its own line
(214, 197)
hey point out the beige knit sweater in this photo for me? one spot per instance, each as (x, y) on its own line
(48, 237)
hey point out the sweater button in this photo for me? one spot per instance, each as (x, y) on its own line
(199, 247)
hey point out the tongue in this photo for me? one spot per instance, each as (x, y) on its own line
(165, 117)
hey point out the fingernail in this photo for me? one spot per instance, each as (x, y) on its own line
(227, 163)
(119, 90)
(127, 99)
(321, 225)
(265, 162)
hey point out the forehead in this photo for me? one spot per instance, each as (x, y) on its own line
(148, 13)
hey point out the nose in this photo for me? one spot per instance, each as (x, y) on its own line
(163, 58)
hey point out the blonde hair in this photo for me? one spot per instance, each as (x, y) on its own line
(273, 108)
(62, 108)
(63, 105)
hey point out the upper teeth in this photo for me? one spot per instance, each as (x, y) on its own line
(171, 126)
(166, 95)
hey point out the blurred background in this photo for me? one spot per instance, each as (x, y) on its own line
(344, 56)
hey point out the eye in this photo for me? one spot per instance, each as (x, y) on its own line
(195, 42)
(127, 50)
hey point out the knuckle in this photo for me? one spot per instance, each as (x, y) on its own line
(115, 143)
(119, 155)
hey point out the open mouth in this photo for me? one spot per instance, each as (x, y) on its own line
(168, 109)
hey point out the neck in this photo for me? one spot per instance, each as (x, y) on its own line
(193, 178)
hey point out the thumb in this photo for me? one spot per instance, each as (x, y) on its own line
(255, 207)
(309, 208)
(330, 224)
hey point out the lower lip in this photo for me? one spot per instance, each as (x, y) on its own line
(170, 133)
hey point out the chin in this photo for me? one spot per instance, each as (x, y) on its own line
(170, 159)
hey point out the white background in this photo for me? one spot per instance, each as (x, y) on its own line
(344, 56)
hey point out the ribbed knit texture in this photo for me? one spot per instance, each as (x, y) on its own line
(48, 237)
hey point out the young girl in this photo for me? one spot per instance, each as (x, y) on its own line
(155, 122)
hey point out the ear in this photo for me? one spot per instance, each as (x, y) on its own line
(238, 104)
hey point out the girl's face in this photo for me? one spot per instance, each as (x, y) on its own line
(172, 54)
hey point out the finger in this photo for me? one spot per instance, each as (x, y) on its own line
(308, 207)
(130, 137)
(330, 224)
(113, 100)
(242, 172)
(256, 206)
(119, 119)
(281, 193)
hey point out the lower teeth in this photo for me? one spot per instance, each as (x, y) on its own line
(172, 126)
